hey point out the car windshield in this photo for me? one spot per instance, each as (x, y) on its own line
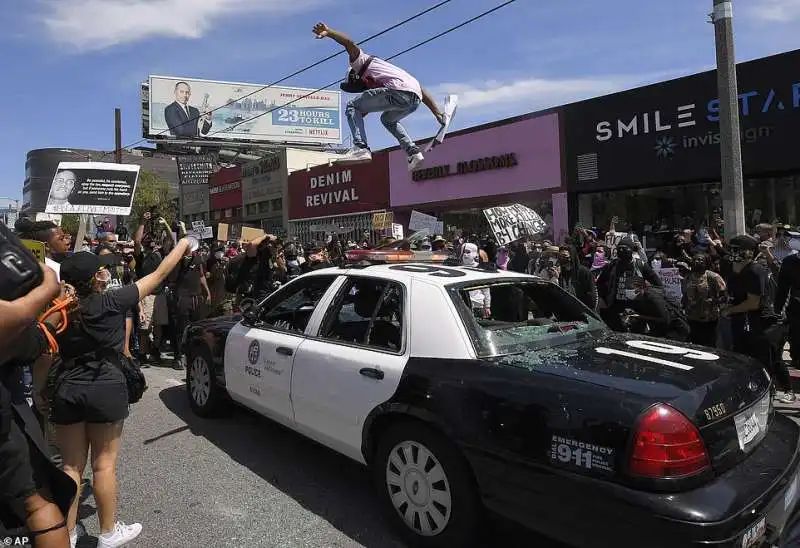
(513, 316)
(412, 242)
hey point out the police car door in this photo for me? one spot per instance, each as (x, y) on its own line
(353, 362)
(259, 354)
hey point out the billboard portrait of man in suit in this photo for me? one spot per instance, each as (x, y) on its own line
(184, 120)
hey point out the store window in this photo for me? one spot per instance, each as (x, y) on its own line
(277, 204)
(252, 209)
(228, 213)
(217, 214)
(263, 207)
(237, 212)
(671, 208)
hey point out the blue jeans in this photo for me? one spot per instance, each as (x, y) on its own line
(395, 105)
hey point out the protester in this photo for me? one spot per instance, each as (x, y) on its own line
(703, 293)
(390, 90)
(47, 232)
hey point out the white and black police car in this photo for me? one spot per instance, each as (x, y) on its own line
(537, 411)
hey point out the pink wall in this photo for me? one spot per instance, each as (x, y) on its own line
(560, 222)
(534, 142)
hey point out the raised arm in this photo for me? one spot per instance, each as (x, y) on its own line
(322, 31)
(430, 102)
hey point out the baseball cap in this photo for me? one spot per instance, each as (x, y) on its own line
(79, 267)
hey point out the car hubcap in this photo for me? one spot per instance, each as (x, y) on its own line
(200, 381)
(418, 488)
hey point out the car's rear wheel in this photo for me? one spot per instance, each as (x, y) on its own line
(425, 486)
(205, 395)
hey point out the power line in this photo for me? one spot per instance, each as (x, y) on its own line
(412, 48)
(304, 69)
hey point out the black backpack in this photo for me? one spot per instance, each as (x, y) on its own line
(355, 82)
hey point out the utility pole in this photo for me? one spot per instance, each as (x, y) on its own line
(730, 136)
(118, 146)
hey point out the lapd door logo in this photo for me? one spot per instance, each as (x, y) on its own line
(253, 352)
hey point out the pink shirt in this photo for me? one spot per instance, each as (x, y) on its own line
(387, 75)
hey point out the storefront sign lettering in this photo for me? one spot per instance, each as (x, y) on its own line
(750, 103)
(228, 187)
(472, 166)
(265, 165)
(339, 196)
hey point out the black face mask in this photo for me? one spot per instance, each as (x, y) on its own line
(735, 255)
(625, 253)
(565, 262)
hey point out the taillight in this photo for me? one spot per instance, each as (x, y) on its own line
(667, 445)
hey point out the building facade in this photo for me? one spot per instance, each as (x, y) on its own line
(511, 161)
(339, 198)
(265, 186)
(195, 204)
(225, 196)
(651, 155)
(41, 165)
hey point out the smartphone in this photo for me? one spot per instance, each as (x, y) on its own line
(19, 270)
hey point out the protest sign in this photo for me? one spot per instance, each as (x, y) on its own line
(510, 223)
(382, 221)
(204, 233)
(421, 221)
(37, 248)
(222, 232)
(671, 278)
(397, 231)
(249, 234)
(93, 188)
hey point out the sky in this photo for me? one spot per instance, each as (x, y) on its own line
(68, 63)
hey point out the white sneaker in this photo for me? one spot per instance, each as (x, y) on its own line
(357, 155)
(120, 536)
(415, 160)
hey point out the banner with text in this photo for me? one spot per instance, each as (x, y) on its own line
(93, 187)
(510, 223)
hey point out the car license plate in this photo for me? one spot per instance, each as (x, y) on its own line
(753, 535)
(746, 427)
(791, 493)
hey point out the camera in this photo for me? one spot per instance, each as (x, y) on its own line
(19, 269)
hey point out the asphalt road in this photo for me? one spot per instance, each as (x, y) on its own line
(244, 481)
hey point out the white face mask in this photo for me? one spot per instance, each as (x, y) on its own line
(470, 255)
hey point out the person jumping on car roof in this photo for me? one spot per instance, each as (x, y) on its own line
(386, 88)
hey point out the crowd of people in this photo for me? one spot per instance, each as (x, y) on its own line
(115, 306)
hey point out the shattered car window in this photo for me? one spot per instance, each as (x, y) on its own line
(511, 316)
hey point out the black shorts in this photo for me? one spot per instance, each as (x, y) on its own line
(92, 402)
(17, 476)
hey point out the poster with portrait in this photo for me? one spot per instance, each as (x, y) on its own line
(95, 188)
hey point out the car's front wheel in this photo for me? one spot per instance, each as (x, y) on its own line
(205, 395)
(425, 486)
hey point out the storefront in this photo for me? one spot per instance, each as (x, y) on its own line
(225, 196)
(511, 161)
(339, 198)
(265, 186)
(651, 156)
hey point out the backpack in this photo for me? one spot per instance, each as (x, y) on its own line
(355, 80)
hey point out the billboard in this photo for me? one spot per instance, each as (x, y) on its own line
(93, 187)
(195, 110)
(669, 132)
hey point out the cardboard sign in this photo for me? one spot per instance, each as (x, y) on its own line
(511, 223)
(249, 234)
(98, 188)
(37, 248)
(671, 278)
(382, 221)
(421, 221)
(205, 233)
(198, 226)
(222, 232)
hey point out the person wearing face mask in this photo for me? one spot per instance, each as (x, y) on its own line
(576, 278)
(622, 285)
(216, 275)
(480, 299)
(533, 258)
(750, 315)
(703, 292)
(787, 301)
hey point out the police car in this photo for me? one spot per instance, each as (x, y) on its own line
(536, 411)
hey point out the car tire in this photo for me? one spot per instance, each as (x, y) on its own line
(205, 395)
(437, 487)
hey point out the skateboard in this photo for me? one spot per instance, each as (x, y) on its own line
(450, 108)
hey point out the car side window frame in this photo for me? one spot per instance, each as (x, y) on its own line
(286, 292)
(335, 307)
